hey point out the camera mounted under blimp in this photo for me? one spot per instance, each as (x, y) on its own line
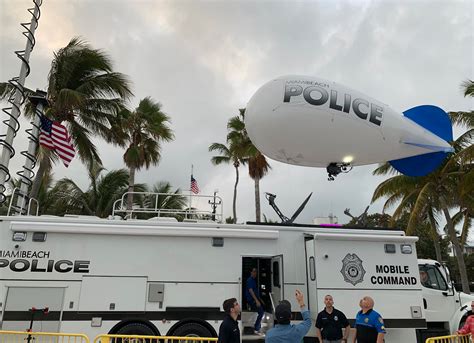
(336, 168)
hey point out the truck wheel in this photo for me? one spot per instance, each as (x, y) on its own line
(192, 330)
(138, 329)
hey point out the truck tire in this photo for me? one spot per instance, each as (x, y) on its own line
(138, 329)
(192, 330)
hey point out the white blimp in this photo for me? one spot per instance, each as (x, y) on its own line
(313, 122)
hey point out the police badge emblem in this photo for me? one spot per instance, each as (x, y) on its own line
(352, 269)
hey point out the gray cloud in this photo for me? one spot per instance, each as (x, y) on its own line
(204, 59)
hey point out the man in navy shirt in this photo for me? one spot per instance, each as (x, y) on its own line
(330, 323)
(253, 299)
(369, 324)
(229, 331)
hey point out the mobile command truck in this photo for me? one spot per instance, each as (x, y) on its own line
(164, 277)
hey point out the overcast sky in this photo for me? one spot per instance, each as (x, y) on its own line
(203, 60)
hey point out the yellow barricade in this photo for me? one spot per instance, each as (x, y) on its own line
(41, 337)
(151, 339)
(450, 339)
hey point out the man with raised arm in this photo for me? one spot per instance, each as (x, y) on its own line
(284, 331)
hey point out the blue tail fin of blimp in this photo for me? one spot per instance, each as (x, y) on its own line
(437, 121)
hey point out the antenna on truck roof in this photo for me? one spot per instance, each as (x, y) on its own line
(271, 200)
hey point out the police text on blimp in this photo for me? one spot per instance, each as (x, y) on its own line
(317, 95)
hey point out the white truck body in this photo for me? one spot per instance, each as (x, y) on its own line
(97, 275)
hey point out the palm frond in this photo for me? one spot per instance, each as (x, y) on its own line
(422, 202)
(216, 160)
(86, 150)
(468, 86)
(394, 185)
(385, 169)
(221, 148)
(463, 118)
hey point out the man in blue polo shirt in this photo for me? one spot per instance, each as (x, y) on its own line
(369, 324)
(253, 299)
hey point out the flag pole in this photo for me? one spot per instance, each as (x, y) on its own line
(190, 190)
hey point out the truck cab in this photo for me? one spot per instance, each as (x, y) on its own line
(445, 308)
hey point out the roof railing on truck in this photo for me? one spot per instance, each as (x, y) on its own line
(157, 204)
(19, 208)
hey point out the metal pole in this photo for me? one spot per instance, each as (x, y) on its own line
(190, 191)
(214, 205)
(39, 99)
(7, 152)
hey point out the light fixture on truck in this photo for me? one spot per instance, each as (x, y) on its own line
(390, 248)
(406, 249)
(19, 236)
(39, 236)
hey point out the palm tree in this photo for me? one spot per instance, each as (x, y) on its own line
(424, 196)
(84, 93)
(232, 153)
(168, 200)
(257, 163)
(258, 168)
(144, 129)
(465, 190)
(450, 187)
(466, 154)
(99, 197)
(404, 191)
(439, 192)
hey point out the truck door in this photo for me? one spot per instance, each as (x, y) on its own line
(311, 276)
(277, 280)
(438, 299)
(20, 300)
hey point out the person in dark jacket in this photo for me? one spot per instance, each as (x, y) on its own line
(229, 331)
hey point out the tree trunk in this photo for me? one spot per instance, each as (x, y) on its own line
(257, 200)
(235, 193)
(44, 166)
(131, 184)
(457, 247)
(465, 228)
(435, 236)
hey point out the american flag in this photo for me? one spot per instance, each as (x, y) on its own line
(194, 185)
(54, 136)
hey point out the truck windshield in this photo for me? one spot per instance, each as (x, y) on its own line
(430, 277)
